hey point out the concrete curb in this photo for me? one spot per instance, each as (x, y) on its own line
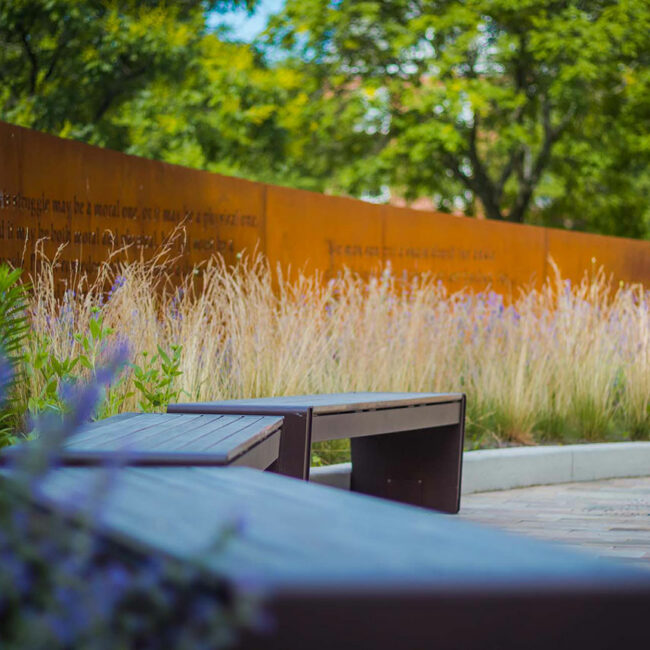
(501, 469)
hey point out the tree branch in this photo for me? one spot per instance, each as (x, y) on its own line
(32, 59)
(453, 163)
(506, 172)
(112, 94)
(486, 189)
(60, 46)
(528, 181)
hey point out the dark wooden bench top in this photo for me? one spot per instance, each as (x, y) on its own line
(348, 415)
(296, 534)
(346, 570)
(177, 439)
(322, 404)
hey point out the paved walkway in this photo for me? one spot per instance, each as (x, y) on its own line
(610, 518)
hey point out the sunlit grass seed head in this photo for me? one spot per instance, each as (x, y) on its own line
(569, 360)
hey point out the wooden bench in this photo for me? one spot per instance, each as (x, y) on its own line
(407, 447)
(161, 439)
(342, 570)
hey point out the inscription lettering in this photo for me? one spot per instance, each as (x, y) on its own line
(121, 202)
(87, 227)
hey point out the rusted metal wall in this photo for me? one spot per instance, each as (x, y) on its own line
(88, 198)
(93, 199)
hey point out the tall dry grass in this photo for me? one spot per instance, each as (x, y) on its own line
(567, 362)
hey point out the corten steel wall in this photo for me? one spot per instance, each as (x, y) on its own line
(85, 196)
(68, 192)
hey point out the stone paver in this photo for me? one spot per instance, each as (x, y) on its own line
(610, 518)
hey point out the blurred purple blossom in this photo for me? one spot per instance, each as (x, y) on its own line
(118, 283)
(64, 586)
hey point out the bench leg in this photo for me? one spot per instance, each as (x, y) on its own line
(421, 467)
(295, 446)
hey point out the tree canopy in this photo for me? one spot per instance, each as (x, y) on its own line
(523, 110)
(527, 110)
(146, 78)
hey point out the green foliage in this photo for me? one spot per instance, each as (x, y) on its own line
(13, 322)
(92, 342)
(226, 114)
(533, 110)
(13, 331)
(59, 51)
(329, 452)
(156, 378)
(145, 78)
(44, 368)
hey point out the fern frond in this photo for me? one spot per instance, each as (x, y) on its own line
(14, 327)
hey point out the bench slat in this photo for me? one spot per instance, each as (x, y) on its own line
(174, 439)
(345, 570)
(137, 430)
(305, 534)
(383, 421)
(331, 402)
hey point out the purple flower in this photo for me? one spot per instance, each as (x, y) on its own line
(119, 282)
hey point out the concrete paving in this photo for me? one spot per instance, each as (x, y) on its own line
(610, 518)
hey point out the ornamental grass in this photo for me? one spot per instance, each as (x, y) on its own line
(567, 362)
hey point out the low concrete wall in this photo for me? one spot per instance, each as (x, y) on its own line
(502, 469)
